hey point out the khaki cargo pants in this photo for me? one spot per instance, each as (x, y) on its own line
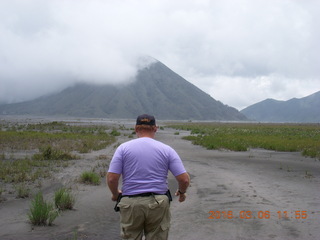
(149, 216)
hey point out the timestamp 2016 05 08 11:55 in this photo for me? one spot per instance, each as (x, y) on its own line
(257, 214)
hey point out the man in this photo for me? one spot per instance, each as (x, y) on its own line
(144, 164)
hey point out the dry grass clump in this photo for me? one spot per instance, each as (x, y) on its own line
(50, 153)
(22, 190)
(64, 199)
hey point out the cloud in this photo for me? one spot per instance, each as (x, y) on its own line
(240, 92)
(51, 44)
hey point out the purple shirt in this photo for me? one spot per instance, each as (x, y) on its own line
(144, 164)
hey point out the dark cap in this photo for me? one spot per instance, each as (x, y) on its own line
(146, 119)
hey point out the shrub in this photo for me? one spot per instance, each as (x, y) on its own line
(115, 133)
(50, 153)
(90, 178)
(1, 191)
(42, 212)
(22, 191)
(63, 199)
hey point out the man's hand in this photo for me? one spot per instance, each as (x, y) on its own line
(115, 197)
(182, 196)
(184, 182)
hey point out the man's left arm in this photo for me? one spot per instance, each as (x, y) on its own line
(113, 183)
(183, 182)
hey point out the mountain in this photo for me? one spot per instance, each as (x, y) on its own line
(156, 90)
(303, 110)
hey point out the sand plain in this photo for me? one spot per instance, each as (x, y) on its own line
(259, 194)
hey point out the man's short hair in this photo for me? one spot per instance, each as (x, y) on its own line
(146, 128)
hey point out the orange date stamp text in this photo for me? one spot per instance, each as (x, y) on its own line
(257, 214)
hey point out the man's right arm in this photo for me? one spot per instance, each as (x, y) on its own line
(183, 182)
(113, 182)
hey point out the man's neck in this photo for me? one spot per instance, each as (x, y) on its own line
(146, 134)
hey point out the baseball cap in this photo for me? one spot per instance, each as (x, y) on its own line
(146, 119)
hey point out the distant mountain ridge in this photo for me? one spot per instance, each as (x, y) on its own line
(156, 90)
(303, 110)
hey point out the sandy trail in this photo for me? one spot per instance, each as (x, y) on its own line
(255, 181)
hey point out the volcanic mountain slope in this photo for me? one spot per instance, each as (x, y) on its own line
(156, 90)
(303, 110)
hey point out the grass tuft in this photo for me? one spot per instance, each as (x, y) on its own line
(115, 133)
(90, 178)
(1, 197)
(42, 213)
(22, 191)
(64, 199)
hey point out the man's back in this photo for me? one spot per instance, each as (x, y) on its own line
(144, 165)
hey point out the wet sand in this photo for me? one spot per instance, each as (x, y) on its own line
(254, 191)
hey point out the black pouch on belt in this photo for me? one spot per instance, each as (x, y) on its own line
(116, 208)
(168, 193)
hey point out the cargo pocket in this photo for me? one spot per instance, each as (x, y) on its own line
(165, 226)
(123, 205)
(125, 212)
(156, 204)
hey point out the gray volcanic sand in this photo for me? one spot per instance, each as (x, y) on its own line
(255, 181)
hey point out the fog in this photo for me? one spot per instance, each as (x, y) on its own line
(240, 52)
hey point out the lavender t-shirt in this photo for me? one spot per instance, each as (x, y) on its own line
(144, 164)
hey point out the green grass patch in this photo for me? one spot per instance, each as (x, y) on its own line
(304, 138)
(49, 153)
(24, 170)
(64, 199)
(56, 142)
(115, 133)
(41, 211)
(90, 178)
(60, 136)
(28, 170)
(22, 191)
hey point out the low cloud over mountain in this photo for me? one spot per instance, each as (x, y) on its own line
(155, 90)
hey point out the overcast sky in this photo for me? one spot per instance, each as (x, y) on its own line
(238, 51)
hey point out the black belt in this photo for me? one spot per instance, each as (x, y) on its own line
(147, 194)
(116, 208)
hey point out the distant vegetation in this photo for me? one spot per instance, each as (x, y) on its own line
(303, 138)
(53, 145)
(59, 136)
(31, 152)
